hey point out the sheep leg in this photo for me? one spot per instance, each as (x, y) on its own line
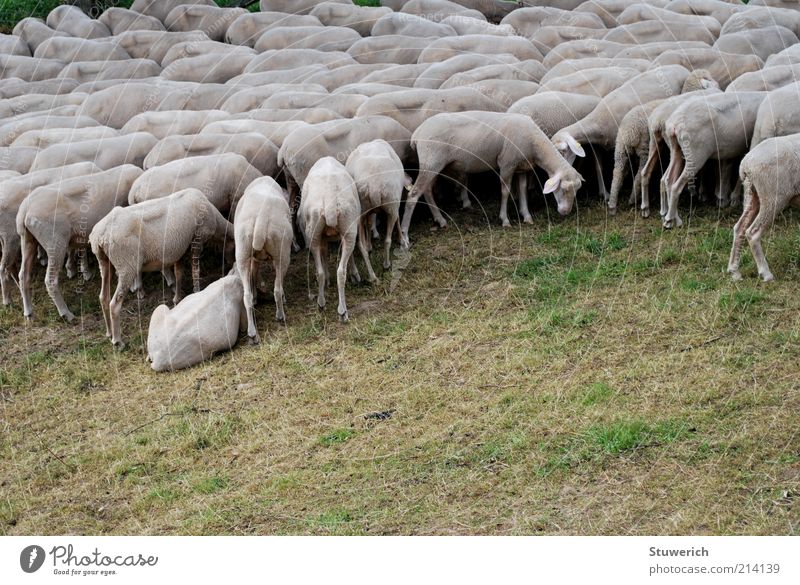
(391, 221)
(621, 162)
(280, 262)
(324, 245)
(373, 224)
(423, 187)
(402, 238)
(124, 282)
(673, 171)
(723, 193)
(316, 251)
(647, 172)
(83, 262)
(765, 217)
(105, 288)
(55, 260)
(362, 246)
(69, 265)
(751, 205)
(245, 265)
(177, 269)
(598, 167)
(505, 193)
(522, 196)
(353, 269)
(460, 179)
(9, 253)
(41, 255)
(168, 277)
(29, 251)
(348, 246)
(672, 219)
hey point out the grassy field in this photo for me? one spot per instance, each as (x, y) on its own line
(583, 375)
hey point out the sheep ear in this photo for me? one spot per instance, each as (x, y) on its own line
(574, 146)
(551, 184)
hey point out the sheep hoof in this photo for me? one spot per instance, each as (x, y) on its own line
(387, 265)
(343, 317)
(87, 276)
(442, 223)
(68, 317)
(768, 277)
(506, 223)
(645, 213)
(281, 320)
(735, 275)
(254, 340)
(118, 345)
(612, 211)
(528, 220)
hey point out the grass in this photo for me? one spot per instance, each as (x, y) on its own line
(583, 375)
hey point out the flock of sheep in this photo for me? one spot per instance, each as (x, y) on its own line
(150, 133)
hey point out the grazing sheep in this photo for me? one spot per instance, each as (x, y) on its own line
(569, 66)
(13, 45)
(211, 20)
(58, 218)
(210, 68)
(766, 79)
(473, 26)
(633, 136)
(526, 21)
(435, 75)
(10, 88)
(86, 71)
(13, 192)
(251, 98)
(161, 8)
(246, 29)
(581, 49)
(45, 138)
(777, 115)
(413, 106)
(263, 231)
(222, 178)
(380, 179)
(654, 31)
(715, 127)
(770, 186)
(202, 324)
(438, 10)
(553, 110)
(723, 67)
(275, 132)
(473, 142)
(17, 158)
(393, 49)
(73, 21)
(360, 18)
(71, 49)
(493, 10)
(16, 127)
(528, 70)
(330, 210)
(548, 37)
(186, 49)
(155, 44)
(260, 153)
(721, 10)
(597, 82)
(600, 127)
(762, 42)
(397, 23)
(34, 32)
(322, 38)
(120, 20)
(106, 153)
(306, 145)
(344, 105)
(295, 58)
(642, 11)
(38, 103)
(170, 123)
(293, 6)
(29, 68)
(405, 75)
(441, 49)
(308, 115)
(151, 236)
(762, 17)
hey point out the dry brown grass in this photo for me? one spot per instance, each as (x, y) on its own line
(590, 376)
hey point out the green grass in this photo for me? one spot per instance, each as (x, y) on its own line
(584, 375)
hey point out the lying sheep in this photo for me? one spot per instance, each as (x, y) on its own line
(106, 153)
(473, 142)
(202, 324)
(13, 192)
(263, 231)
(151, 236)
(770, 186)
(329, 210)
(259, 152)
(379, 177)
(717, 127)
(222, 178)
(58, 218)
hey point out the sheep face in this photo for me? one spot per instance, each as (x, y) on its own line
(564, 185)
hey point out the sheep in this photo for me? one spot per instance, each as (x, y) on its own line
(581, 49)
(58, 218)
(111, 70)
(396, 23)
(441, 49)
(10, 88)
(251, 98)
(151, 236)
(115, 105)
(309, 115)
(599, 128)
(761, 17)
(17, 158)
(770, 186)
(766, 79)
(246, 29)
(598, 82)
(777, 115)
(38, 102)
(155, 44)
(170, 123)
(295, 57)
(789, 56)
(332, 79)
(435, 75)
(642, 11)
(472, 142)
(222, 178)
(653, 31)
(526, 21)
(73, 21)
(196, 96)
(12, 192)
(762, 42)
(380, 179)
(201, 325)
(185, 49)
(723, 67)
(548, 37)
(28, 68)
(70, 49)
(260, 153)
(210, 68)
(569, 66)
(106, 153)
(34, 32)
(211, 20)
(329, 210)
(528, 70)
(13, 45)
(119, 20)
(473, 26)
(301, 74)
(715, 127)
(323, 38)
(367, 89)
(16, 127)
(160, 9)
(306, 145)
(413, 106)
(506, 91)
(293, 6)
(397, 74)
(552, 110)
(393, 49)
(275, 132)
(633, 136)
(721, 10)
(263, 231)
(438, 10)
(345, 105)
(45, 138)
(494, 10)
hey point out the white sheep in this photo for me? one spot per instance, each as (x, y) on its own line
(329, 209)
(263, 231)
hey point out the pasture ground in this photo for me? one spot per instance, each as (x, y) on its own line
(583, 375)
